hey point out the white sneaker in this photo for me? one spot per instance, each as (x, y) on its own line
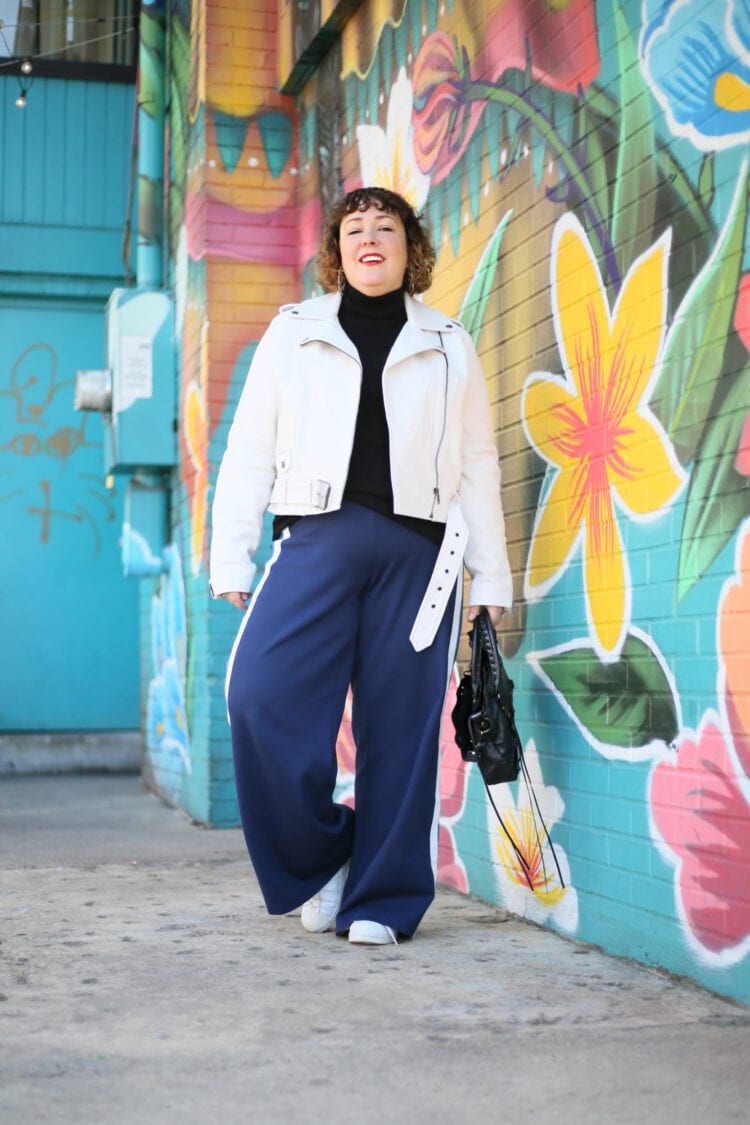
(319, 912)
(371, 933)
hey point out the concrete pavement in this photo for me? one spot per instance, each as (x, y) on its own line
(141, 981)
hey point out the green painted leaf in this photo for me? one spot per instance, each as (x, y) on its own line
(706, 183)
(277, 137)
(149, 210)
(151, 28)
(477, 295)
(596, 164)
(151, 83)
(564, 108)
(435, 202)
(694, 351)
(473, 167)
(231, 133)
(492, 122)
(454, 200)
(622, 708)
(718, 496)
(634, 201)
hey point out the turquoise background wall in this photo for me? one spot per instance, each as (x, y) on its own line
(68, 618)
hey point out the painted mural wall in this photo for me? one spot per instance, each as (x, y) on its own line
(584, 170)
(230, 234)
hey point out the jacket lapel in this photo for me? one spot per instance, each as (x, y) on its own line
(421, 333)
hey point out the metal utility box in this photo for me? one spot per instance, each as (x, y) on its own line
(141, 429)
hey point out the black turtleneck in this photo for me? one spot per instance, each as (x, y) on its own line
(372, 324)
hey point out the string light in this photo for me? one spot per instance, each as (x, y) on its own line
(26, 75)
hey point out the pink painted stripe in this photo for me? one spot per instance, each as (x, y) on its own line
(220, 230)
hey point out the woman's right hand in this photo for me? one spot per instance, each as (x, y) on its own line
(237, 599)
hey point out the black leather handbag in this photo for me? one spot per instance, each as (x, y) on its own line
(484, 716)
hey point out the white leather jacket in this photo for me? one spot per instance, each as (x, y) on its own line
(291, 440)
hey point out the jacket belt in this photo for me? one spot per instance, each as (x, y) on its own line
(448, 568)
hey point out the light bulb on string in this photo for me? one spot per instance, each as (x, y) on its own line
(25, 82)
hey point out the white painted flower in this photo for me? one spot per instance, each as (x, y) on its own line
(549, 900)
(386, 156)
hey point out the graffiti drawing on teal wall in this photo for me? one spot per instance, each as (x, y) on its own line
(41, 444)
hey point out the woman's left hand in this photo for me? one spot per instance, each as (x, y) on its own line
(495, 612)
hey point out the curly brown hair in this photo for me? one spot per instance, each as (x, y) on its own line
(419, 248)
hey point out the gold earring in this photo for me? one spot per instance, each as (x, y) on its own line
(340, 281)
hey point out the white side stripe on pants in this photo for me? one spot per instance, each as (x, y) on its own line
(267, 570)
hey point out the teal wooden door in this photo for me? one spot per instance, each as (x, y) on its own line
(68, 618)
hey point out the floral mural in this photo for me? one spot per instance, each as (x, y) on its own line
(633, 432)
(584, 170)
(700, 800)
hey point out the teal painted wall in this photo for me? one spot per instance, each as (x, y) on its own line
(68, 618)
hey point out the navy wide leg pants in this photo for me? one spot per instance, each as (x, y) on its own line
(335, 606)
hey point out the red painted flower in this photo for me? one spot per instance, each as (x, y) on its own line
(561, 38)
(704, 820)
(562, 42)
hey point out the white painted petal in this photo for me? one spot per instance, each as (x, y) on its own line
(373, 155)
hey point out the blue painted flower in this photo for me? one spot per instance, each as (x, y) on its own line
(696, 59)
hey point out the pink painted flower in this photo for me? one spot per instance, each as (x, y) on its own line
(742, 460)
(734, 648)
(742, 311)
(742, 327)
(703, 819)
(454, 780)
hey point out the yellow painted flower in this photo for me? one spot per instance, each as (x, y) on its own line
(547, 894)
(594, 427)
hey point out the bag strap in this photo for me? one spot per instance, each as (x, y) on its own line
(484, 644)
(535, 810)
(488, 644)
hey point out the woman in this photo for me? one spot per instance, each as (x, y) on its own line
(364, 426)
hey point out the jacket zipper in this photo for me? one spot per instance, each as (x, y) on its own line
(436, 489)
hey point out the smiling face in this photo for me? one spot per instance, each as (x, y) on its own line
(373, 248)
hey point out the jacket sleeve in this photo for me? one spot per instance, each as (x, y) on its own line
(486, 554)
(246, 473)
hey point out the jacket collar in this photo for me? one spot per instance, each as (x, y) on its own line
(423, 324)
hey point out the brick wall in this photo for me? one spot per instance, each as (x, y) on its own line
(591, 226)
